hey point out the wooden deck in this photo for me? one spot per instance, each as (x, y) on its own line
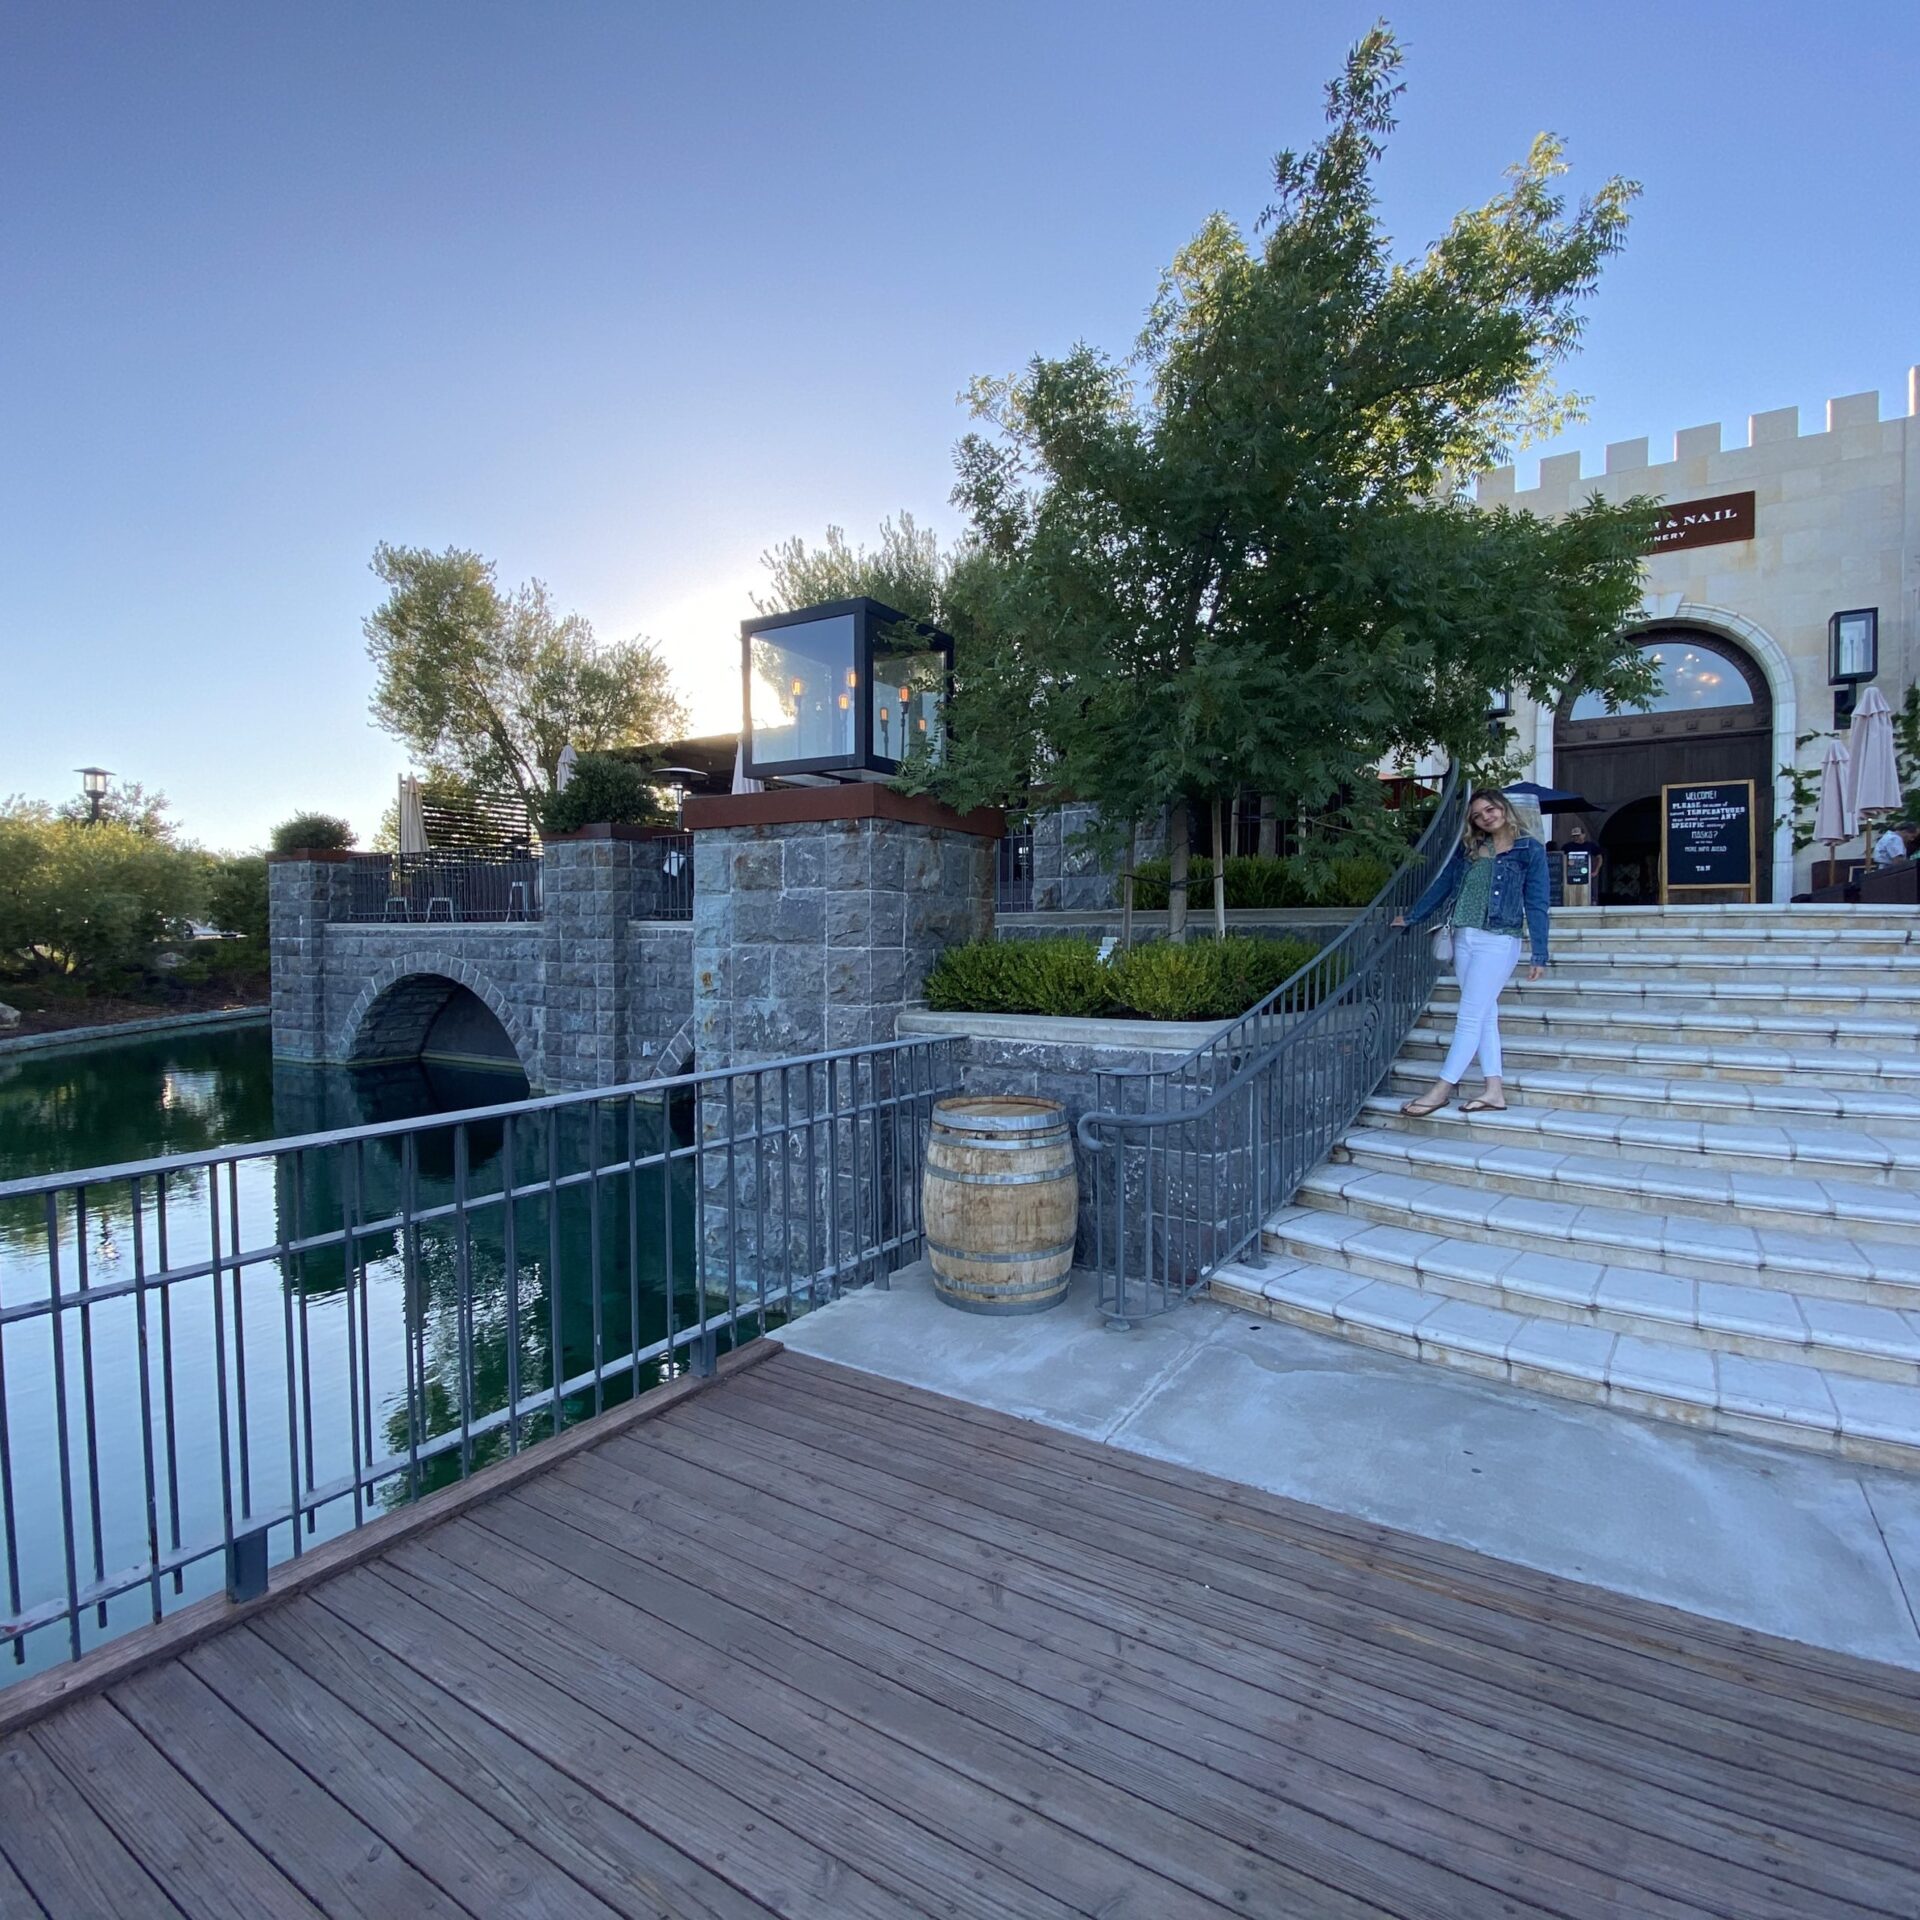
(812, 1643)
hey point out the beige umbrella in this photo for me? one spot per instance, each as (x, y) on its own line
(741, 784)
(1873, 779)
(413, 821)
(1833, 819)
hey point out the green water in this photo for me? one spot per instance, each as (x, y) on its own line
(343, 1360)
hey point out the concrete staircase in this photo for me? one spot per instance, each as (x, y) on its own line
(1703, 1203)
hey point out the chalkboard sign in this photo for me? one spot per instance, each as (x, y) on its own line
(1556, 879)
(1706, 837)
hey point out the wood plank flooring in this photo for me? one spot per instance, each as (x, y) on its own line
(812, 1643)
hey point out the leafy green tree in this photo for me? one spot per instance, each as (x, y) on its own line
(89, 899)
(493, 686)
(908, 571)
(1245, 559)
(236, 895)
(129, 803)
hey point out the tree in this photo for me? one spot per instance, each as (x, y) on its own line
(493, 686)
(1245, 560)
(131, 805)
(907, 571)
(89, 899)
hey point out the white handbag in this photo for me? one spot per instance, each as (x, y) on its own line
(1443, 945)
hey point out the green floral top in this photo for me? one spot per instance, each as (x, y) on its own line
(1475, 896)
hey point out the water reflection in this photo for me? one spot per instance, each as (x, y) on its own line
(339, 1337)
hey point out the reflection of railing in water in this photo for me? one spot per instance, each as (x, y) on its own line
(275, 1342)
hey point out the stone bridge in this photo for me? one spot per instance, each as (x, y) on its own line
(588, 995)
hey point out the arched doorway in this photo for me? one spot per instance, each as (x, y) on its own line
(1712, 719)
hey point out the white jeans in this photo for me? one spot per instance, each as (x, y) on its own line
(1484, 963)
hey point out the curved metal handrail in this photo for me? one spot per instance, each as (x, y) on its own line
(1261, 1101)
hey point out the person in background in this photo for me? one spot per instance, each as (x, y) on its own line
(1896, 844)
(1575, 841)
(1493, 886)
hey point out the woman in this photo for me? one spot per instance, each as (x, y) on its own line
(1494, 883)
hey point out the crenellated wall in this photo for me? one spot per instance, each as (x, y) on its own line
(1836, 525)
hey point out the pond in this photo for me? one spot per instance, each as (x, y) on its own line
(273, 1379)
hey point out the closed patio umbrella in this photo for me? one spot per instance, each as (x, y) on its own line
(1833, 819)
(1873, 778)
(741, 784)
(413, 821)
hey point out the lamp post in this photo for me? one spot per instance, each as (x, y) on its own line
(93, 783)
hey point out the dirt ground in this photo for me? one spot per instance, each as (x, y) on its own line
(57, 1015)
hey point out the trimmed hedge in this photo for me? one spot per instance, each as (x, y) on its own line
(1260, 880)
(1202, 980)
(312, 832)
(605, 789)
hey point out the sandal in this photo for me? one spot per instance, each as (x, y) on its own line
(1418, 1109)
(1483, 1106)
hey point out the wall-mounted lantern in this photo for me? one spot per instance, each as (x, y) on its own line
(1853, 646)
(1853, 657)
(850, 690)
(1500, 704)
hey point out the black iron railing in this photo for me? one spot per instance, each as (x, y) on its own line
(408, 888)
(210, 1361)
(1189, 1161)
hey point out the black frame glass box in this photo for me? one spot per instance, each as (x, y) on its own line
(850, 688)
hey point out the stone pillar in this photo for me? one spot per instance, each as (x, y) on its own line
(587, 887)
(306, 892)
(817, 914)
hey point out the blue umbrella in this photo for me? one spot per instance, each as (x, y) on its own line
(1551, 799)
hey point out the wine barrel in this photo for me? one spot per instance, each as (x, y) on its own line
(1001, 1201)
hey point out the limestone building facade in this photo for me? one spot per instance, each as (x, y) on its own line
(1767, 537)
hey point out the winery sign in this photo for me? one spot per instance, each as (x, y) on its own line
(1703, 523)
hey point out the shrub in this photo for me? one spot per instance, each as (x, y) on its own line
(237, 896)
(1061, 977)
(90, 898)
(312, 832)
(1203, 980)
(604, 788)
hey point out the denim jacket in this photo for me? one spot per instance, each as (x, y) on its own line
(1519, 893)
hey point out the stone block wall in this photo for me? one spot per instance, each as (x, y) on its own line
(304, 897)
(1071, 878)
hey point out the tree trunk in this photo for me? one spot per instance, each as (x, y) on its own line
(1126, 885)
(1219, 869)
(1269, 826)
(1179, 844)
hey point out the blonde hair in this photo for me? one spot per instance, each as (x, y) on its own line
(1471, 838)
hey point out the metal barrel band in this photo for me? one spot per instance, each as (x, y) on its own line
(999, 1259)
(1049, 1178)
(972, 1143)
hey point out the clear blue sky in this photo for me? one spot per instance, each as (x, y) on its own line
(621, 294)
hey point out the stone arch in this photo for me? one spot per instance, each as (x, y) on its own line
(1672, 609)
(391, 1015)
(677, 1055)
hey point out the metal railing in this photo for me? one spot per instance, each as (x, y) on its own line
(211, 1361)
(663, 888)
(1188, 1161)
(1013, 873)
(430, 887)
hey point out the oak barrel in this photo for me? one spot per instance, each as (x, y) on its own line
(1001, 1202)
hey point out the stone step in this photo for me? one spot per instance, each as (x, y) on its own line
(1807, 919)
(1582, 960)
(1674, 1183)
(1889, 1075)
(1796, 997)
(1761, 1320)
(1874, 1421)
(1570, 932)
(1746, 1142)
(1846, 1263)
(1523, 1013)
(1646, 1091)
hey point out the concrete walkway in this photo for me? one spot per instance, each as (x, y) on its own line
(1777, 1539)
